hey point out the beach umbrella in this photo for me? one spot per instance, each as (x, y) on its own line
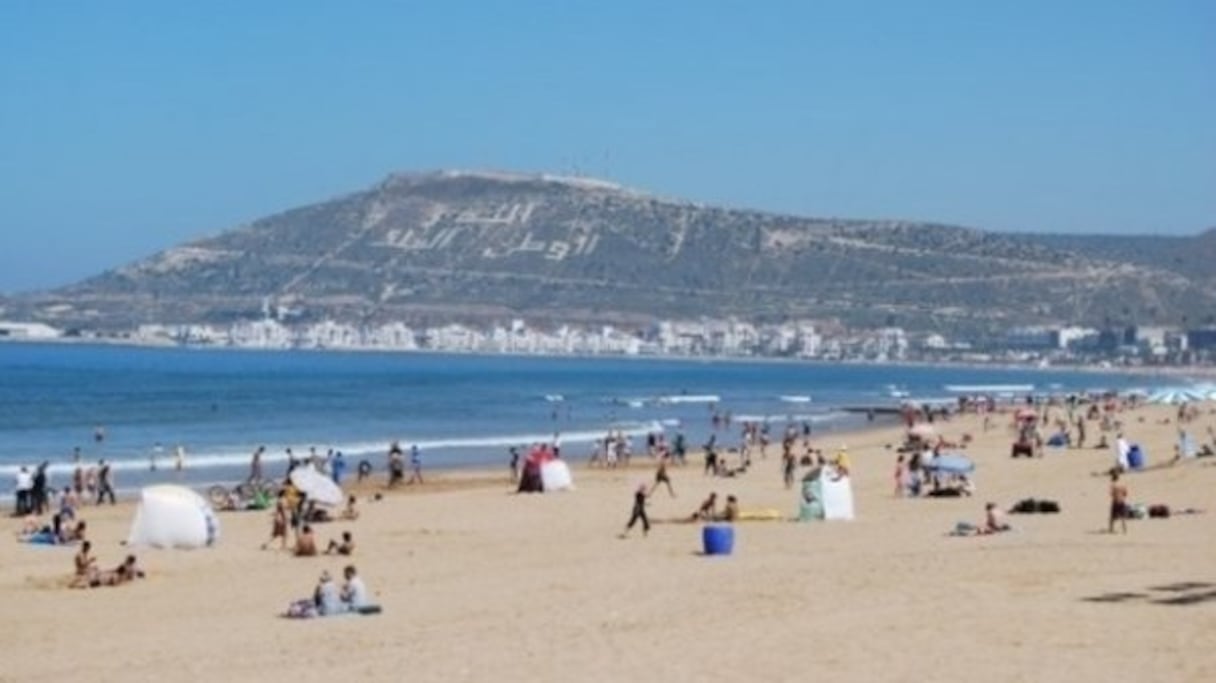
(923, 431)
(317, 486)
(950, 463)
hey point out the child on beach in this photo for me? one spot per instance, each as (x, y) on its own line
(278, 524)
(346, 547)
(901, 474)
(306, 543)
(350, 513)
(708, 509)
(639, 512)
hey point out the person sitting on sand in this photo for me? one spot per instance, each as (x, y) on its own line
(73, 534)
(325, 601)
(126, 572)
(994, 521)
(350, 513)
(354, 592)
(326, 597)
(731, 512)
(346, 547)
(708, 509)
(306, 543)
(86, 567)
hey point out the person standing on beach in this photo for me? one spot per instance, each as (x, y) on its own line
(639, 512)
(24, 487)
(661, 477)
(179, 458)
(157, 451)
(278, 524)
(514, 464)
(788, 468)
(105, 482)
(1118, 503)
(337, 467)
(255, 464)
(415, 465)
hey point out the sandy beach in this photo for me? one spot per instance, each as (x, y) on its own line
(480, 584)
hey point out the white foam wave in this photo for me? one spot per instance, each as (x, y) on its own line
(240, 457)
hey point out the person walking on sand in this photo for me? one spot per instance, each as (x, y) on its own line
(415, 465)
(661, 477)
(105, 482)
(255, 465)
(639, 512)
(1118, 503)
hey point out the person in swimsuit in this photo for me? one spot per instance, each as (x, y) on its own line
(350, 513)
(639, 512)
(346, 547)
(1118, 503)
(306, 543)
(731, 513)
(86, 567)
(278, 525)
(708, 509)
(661, 477)
(993, 522)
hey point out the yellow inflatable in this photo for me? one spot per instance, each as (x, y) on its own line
(761, 515)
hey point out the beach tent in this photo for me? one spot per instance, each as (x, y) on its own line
(171, 516)
(826, 495)
(544, 472)
(316, 486)
(555, 476)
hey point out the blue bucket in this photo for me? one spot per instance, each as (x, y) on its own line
(1135, 458)
(718, 539)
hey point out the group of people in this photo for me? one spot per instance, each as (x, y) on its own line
(89, 575)
(329, 599)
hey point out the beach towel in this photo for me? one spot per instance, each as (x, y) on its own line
(40, 538)
(964, 529)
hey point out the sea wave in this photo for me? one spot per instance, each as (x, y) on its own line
(232, 456)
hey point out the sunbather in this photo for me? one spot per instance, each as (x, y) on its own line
(346, 547)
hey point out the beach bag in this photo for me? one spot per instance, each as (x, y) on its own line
(1048, 507)
(1159, 511)
(1024, 507)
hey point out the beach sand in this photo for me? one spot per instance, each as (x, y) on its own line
(480, 584)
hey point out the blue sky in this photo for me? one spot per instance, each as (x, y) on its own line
(127, 127)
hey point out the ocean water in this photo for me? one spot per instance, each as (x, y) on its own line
(461, 410)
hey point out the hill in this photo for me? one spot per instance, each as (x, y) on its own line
(477, 246)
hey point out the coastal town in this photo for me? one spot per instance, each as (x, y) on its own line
(1128, 346)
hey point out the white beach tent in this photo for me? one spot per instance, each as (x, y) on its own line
(555, 476)
(826, 495)
(171, 516)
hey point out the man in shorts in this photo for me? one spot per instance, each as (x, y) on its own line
(1118, 503)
